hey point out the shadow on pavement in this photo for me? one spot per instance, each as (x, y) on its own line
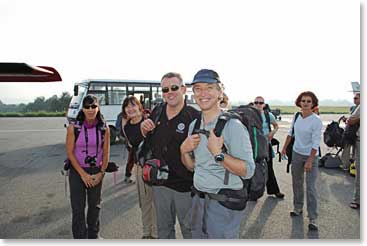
(255, 230)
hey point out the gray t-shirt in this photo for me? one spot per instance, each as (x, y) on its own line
(209, 175)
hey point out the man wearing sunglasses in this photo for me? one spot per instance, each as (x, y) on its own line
(202, 152)
(349, 148)
(173, 198)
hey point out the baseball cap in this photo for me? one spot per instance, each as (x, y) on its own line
(206, 76)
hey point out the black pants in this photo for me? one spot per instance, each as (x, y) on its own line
(271, 185)
(130, 162)
(79, 193)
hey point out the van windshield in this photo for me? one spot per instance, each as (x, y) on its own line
(77, 100)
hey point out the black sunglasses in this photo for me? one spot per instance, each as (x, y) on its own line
(355, 97)
(173, 88)
(261, 103)
(90, 106)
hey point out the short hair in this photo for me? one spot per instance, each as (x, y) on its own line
(132, 100)
(173, 75)
(315, 101)
(260, 97)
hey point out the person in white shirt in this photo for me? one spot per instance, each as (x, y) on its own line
(307, 133)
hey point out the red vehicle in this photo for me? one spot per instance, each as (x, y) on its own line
(22, 72)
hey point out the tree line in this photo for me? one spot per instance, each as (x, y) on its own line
(53, 104)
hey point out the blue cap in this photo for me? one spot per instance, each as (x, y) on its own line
(206, 76)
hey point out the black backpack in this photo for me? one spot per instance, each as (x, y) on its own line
(350, 134)
(333, 135)
(250, 117)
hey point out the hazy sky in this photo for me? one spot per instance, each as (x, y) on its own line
(274, 48)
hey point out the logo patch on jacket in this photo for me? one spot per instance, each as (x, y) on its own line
(180, 128)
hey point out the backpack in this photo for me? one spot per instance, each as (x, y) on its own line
(349, 135)
(250, 117)
(289, 149)
(274, 141)
(333, 135)
(155, 171)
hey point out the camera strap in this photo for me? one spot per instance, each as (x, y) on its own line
(86, 140)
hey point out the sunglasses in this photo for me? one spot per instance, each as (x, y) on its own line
(261, 103)
(90, 106)
(306, 101)
(173, 88)
(355, 98)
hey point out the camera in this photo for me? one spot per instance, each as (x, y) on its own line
(91, 161)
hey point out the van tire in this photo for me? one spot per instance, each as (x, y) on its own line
(112, 135)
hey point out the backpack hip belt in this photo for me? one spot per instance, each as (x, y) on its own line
(217, 197)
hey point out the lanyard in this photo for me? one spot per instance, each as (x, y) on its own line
(86, 140)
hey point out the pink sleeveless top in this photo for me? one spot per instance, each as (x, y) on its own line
(82, 147)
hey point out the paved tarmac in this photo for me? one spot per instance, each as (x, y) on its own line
(33, 202)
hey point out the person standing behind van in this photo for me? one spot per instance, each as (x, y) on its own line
(173, 198)
(132, 110)
(268, 119)
(307, 133)
(89, 156)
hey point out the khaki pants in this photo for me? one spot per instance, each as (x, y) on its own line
(347, 155)
(146, 204)
(356, 196)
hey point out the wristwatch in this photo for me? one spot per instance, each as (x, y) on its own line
(102, 171)
(219, 157)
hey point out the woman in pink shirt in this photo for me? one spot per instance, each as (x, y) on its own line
(88, 149)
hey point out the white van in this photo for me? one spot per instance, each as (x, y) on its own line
(111, 93)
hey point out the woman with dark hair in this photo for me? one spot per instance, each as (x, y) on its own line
(120, 123)
(307, 133)
(132, 111)
(88, 149)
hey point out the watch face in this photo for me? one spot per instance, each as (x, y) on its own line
(219, 157)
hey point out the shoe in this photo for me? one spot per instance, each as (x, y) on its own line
(295, 212)
(148, 237)
(344, 168)
(128, 180)
(354, 205)
(279, 195)
(312, 226)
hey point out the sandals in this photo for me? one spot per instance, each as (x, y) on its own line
(354, 205)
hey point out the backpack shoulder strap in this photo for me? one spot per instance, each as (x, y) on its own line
(267, 118)
(295, 118)
(77, 129)
(197, 124)
(222, 121)
(218, 129)
(157, 112)
(103, 131)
